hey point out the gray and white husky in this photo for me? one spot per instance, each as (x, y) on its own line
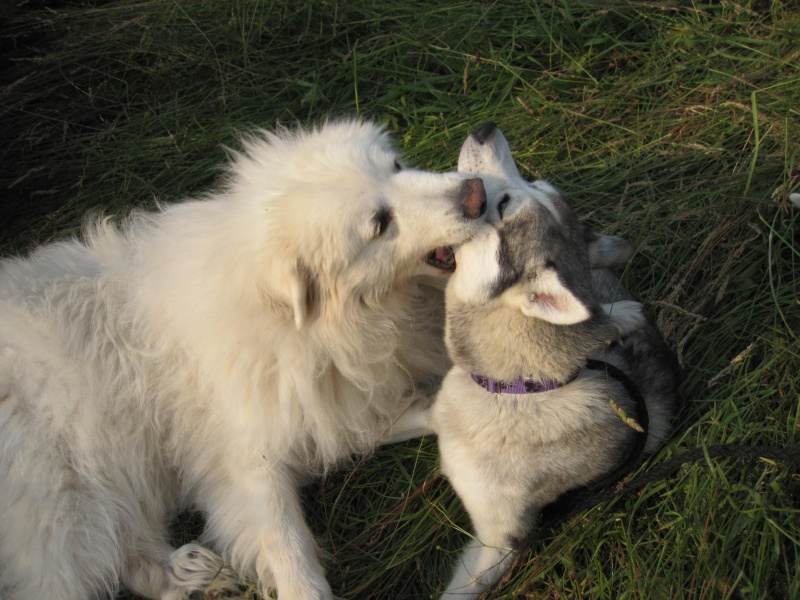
(527, 411)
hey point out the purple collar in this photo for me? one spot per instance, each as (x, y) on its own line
(521, 385)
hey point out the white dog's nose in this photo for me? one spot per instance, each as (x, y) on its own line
(474, 198)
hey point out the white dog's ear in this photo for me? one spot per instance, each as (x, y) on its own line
(607, 251)
(546, 297)
(303, 295)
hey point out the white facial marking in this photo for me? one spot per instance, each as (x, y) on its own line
(477, 268)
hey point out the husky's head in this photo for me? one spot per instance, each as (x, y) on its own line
(537, 256)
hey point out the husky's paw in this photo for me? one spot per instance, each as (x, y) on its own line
(199, 574)
(626, 316)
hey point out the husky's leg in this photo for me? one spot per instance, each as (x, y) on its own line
(479, 566)
(625, 315)
(495, 518)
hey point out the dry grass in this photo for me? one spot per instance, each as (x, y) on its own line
(676, 125)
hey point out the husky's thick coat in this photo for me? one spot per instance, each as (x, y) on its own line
(524, 306)
(216, 354)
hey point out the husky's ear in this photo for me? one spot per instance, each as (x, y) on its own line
(303, 295)
(607, 251)
(546, 297)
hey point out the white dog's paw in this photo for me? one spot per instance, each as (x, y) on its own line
(626, 316)
(414, 422)
(199, 574)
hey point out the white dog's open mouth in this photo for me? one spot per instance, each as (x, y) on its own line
(443, 259)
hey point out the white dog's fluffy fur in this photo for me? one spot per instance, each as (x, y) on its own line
(214, 355)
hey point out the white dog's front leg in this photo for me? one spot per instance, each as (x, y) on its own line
(413, 423)
(258, 520)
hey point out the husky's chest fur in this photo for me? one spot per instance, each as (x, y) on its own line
(499, 433)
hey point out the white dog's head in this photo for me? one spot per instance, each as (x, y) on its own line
(344, 220)
(537, 256)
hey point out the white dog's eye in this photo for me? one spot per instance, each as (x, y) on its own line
(381, 221)
(397, 166)
(503, 203)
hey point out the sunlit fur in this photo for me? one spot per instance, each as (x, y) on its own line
(533, 297)
(215, 354)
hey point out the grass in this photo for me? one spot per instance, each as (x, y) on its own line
(674, 124)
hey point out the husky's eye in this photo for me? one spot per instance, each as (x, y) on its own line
(381, 221)
(503, 203)
(397, 166)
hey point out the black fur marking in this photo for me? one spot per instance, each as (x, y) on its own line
(516, 542)
(566, 501)
(509, 273)
(501, 207)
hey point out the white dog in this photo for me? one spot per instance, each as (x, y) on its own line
(216, 354)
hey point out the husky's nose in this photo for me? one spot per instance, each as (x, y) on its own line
(482, 132)
(474, 198)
